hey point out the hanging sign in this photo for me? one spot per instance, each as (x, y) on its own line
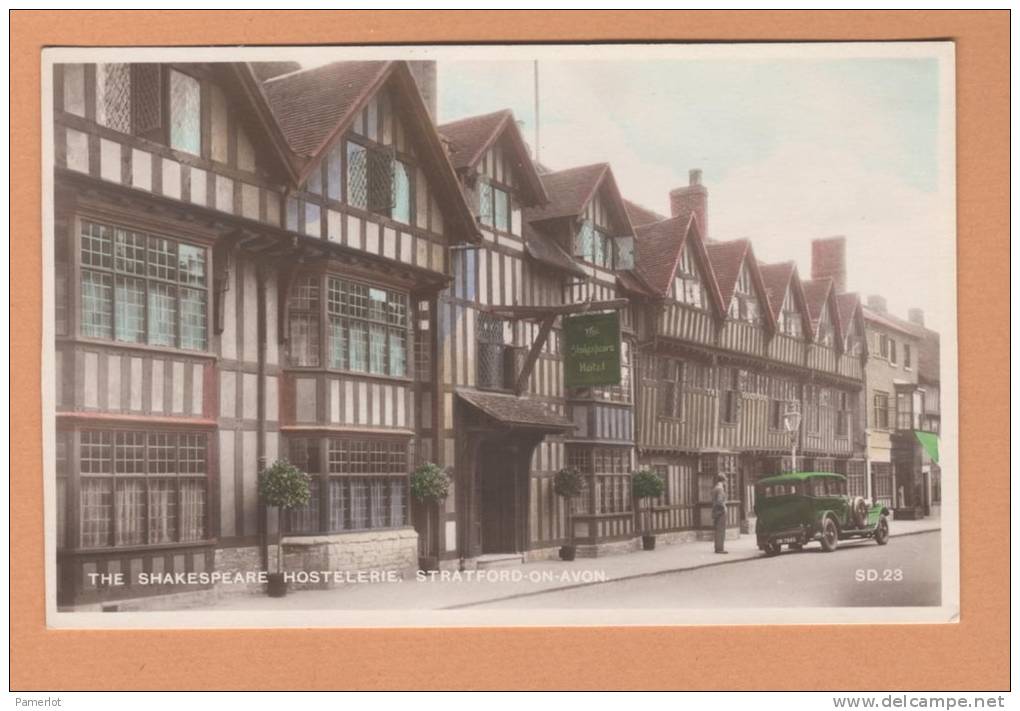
(591, 350)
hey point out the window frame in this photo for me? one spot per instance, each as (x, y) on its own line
(75, 305)
(323, 278)
(75, 479)
(324, 479)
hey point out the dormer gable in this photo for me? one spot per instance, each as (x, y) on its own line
(741, 288)
(786, 299)
(821, 302)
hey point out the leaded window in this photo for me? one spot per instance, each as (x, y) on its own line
(140, 288)
(744, 304)
(361, 485)
(826, 334)
(141, 488)
(670, 397)
(687, 286)
(732, 397)
(113, 96)
(493, 336)
(402, 193)
(303, 320)
(371, 177)
(593, 245)
(185, 113)
(791, 322)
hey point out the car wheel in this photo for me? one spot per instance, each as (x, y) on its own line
(830, 535)
(882, 531)
(772, 548)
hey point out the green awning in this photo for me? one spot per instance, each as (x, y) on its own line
(930, 442)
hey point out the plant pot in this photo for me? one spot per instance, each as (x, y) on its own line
(277, 586)
(568, 552)
(648, 542)
(428, 563)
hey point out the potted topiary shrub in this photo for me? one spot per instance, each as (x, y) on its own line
(646, 484)
(568, 484)
(429, 486)
(286, 487)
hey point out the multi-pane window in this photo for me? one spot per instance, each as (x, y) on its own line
(376, 181)
(671, 401)
(128, 97)
(783, 394)
(593, 245)
(744, 304)
(687, 286)
(881, 409)
(732, 399)
(493, 336)
(826, 334)
(790, 321)
(493, 206)
(139, 488)
(140, 288)
(907, 356)
(185, 113)
(892, 352)
(113, 96)
(812, 404)
(904, 411)
(843, 414)
(363, 484)
(366, 327)
(403, 193)
(610, 468)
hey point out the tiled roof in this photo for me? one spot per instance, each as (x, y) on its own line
(545, 250)
(469, 137)
(633, 282)
(310, 104)
(847, 305)
(776, 278)
(569, 191)
(658, 246)
(816, 293)
(516, 411)
(888, 321)
(641, 215)
(267, 70)
(726, 258)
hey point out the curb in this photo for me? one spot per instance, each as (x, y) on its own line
(637, 576)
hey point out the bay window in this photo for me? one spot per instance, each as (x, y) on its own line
(356, 484)
(141, 488)
(140, 288)
(366, 327)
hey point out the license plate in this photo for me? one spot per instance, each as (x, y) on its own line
(786, 539)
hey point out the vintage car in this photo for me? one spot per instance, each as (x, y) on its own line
(796, 508)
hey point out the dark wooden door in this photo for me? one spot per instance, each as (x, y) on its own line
(497, 475)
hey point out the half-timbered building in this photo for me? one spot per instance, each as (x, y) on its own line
(260, 261)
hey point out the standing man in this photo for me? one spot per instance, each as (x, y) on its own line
(719, 513)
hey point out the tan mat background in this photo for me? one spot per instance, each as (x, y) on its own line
(973, 654)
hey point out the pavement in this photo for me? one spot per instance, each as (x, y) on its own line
(452, 590)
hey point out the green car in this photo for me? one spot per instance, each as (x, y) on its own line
(797, 508)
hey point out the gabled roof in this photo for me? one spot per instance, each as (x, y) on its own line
(726, 259)
(641, 215)
(631, 281)
(778, 279)
(659, 246)
(572, 189)
(469, 138)
(819, 295)
(888, 321)
(848, 306)
(267, 70)
(310, 108)
(524, 412)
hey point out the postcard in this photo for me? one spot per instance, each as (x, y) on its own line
(403, 336)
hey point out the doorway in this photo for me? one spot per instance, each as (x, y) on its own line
(497, 465)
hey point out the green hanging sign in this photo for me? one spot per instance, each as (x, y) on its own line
(930, 442)
(591, 350)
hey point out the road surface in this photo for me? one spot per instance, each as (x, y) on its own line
(904, 572)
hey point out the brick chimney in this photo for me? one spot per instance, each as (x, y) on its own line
(916, 316)
(877, 303)
(424, 74)
(692, 198)
(828, 260)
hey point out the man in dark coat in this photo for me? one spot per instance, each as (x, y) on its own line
(719, 513)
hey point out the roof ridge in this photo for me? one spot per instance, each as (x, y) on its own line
(473, 117)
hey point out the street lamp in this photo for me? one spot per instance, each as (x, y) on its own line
(791, 423)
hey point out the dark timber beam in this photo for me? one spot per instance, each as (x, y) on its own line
(541, 312)
(536, 349)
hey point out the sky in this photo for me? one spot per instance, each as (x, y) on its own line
(791, 150)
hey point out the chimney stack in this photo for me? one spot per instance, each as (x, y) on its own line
(916, 316)
(828, 260)
(691, 199)
(876, 303)
(424, 74)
